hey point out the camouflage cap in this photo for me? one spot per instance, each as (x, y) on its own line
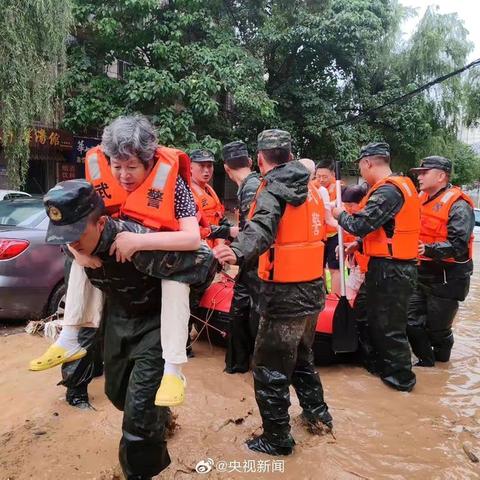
(439, 163)
(68, 205)
(202, 155)
(233, 150)
(274, 138)
(380, 149)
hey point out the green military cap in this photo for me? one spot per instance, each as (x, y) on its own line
(202, 155)
(68, 205)
(439, 163)
(232, 150)
(274, 138)
(379, 149)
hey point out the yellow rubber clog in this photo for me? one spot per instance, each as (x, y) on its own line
(54, 356)
(171, 392)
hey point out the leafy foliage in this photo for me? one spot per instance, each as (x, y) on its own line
(210, 71)
(32, 48)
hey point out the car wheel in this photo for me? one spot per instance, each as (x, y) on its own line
(56, 303)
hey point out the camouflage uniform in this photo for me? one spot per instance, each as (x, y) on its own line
(130, 324)
(441, 285)
(389, 286)
(283, 350)
(244, 318)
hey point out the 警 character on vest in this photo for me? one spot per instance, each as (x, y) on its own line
(446, 240)
(214, 227)
(244, 316)
(284, 234)
(389, 224)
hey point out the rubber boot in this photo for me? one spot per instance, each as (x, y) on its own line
(265, 444)
(421, 347)
(309, 391)
(142, 458)
(442, 352)
(273, 399)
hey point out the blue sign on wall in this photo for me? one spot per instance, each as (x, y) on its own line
(80, 147)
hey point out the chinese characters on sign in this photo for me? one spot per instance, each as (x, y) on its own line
(66, 171)
(81, 145)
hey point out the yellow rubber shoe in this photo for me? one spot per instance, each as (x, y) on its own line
(54, 356)
(171, 392)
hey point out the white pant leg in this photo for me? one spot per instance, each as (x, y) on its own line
(354, 282)
(174, 320)
(83, 302)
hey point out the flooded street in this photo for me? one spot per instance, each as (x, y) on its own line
(431, 433)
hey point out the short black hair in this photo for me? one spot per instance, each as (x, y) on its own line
(325, 164)
(276, 156)
(238, 162)
(385, 159)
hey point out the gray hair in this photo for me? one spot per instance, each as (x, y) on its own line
(130, 135)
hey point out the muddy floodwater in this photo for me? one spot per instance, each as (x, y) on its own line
(431, 433)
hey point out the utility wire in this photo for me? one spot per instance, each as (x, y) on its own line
(406, 96)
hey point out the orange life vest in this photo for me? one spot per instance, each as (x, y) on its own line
(403, 245)
(434, 218)
(152, 203)
(210, 211)
(297, 254)
(208, 203)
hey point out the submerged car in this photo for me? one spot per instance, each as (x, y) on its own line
(31, 272)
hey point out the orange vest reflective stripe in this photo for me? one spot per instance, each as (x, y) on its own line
(297, 254)
(403, 245)
(153, 202)
(434, 218)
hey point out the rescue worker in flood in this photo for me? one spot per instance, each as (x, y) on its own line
(446, 240)
(389, 223)
(214, 227)
(132, 344)
(286, 228)
(244, 316)
(325, 177)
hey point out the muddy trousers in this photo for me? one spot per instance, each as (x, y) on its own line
(430, 319)
(243, 325)
(283, 357)
(390, 284)
(133, 371)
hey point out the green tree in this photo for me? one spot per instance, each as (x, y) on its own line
(32, 49)
(209, 71)
(184, 68)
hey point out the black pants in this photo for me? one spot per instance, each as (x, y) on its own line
(283, 357)
(390, 285)
(431, 312)
(243, 325)
(133, 371)
(78, 374)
